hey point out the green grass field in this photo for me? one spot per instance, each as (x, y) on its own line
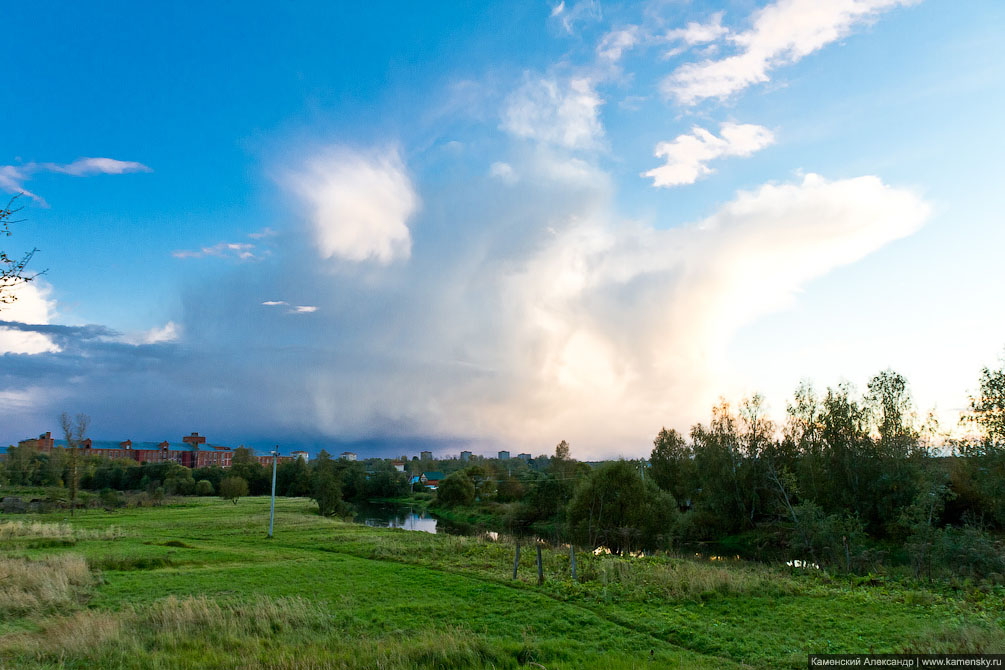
(197, 584)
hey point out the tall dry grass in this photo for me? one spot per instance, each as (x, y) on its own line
(10, 530)
(136, 634)
(683, 579)
(277, 633)
(43, 585)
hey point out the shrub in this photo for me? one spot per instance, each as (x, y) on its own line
(232, 488)
(112, 499)
(616, 508)
(204, 487)
(328, 494)
(456, 489)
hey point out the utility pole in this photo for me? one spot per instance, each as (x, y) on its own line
(272, 508)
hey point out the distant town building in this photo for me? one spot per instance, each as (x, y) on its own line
(194, 439)
(465, 455)
(302, 455)
(193, 452)
(426, 455)
(347, 456)
(503, 455)
(267, 460)
(43, 442)
(523, 457)
(431, 479)
(398, 465)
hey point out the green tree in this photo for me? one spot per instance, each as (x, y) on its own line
(326, 486)
(672, 465)
(562, 451)
(386, 482)
(179, 482)
(614, 507)
(987, 408)
(22, 465)
(328, 494)
(204, 487)
(802, 442)
(74, 431)
(232, 488)
(54, 469)
(485, 485)
(545, 499)
(847, 451)
(721, 507)
(456, 489)
(892, 412)
(245, 464)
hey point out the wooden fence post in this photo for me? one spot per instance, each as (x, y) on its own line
(516, 560)
(540, 567)
(572, 560)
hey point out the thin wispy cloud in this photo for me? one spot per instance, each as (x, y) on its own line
(169, 332)
(562, 111)
(14, 177)
(244, 251)
(615, 43)
(89, 166)
(504, 172)
(699, 33)
(687, 156)
(294, 309)
(782, 33)
(567, 17)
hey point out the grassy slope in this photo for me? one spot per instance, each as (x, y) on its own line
(390, 598)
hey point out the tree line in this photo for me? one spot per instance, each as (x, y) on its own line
(332, 483)
(848, 482)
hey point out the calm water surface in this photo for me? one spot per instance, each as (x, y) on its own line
(396, 516)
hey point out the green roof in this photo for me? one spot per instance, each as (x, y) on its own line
(433, 475)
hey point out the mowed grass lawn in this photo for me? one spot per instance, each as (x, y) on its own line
(196, 584)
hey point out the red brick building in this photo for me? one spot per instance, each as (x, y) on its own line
(267, 460)
(193, 452)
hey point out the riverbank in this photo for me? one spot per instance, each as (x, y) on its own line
(197, 585)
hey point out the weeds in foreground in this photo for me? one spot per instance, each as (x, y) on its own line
(13, 530)
(684, 579)
(44, 584)
(962, 639)
(300, 633)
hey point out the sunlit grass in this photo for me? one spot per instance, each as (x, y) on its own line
(196, 584)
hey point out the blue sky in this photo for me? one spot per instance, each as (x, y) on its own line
(496, 223)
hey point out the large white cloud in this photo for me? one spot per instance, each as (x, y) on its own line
(529, 312)
(783, 32)
(623, 326)
(359, 203)
(687, 157)
(32, 306)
